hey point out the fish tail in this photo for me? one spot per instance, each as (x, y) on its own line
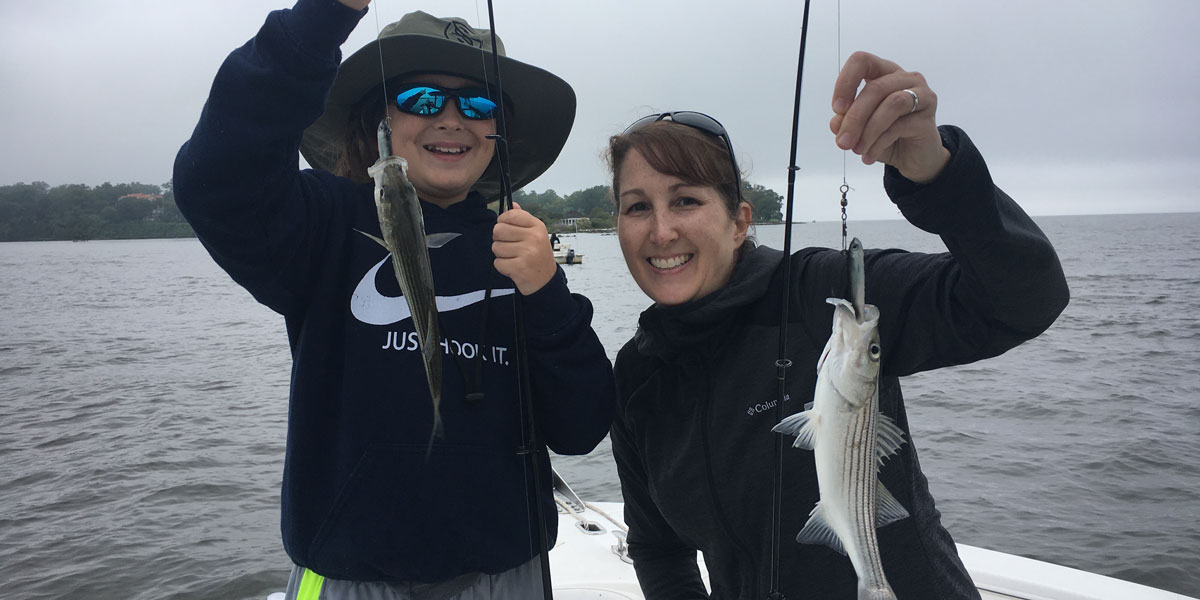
(875, 592)
(437, 432)
(438, 429)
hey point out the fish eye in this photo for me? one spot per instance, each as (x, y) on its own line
(875, 350)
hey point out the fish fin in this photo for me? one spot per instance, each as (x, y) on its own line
(888, 438)
(377, 239)
(818, 531)
(439, 431)
(840, 302)
(890, 510)
(808, 405)
(437, 240)
(803, 425)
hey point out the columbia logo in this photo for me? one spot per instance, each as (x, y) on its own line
(764, 406)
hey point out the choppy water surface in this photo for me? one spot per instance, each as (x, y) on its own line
(143, 408)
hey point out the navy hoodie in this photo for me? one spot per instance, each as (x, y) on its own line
(360, 498)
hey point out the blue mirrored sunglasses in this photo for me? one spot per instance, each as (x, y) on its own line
(423, 99)
(695, 120)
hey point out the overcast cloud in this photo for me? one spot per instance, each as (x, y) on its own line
(1079, 107)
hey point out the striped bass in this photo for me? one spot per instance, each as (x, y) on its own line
(403, 229)
(850, 438)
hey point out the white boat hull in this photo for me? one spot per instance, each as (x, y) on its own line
(586, 566)
(589, 562)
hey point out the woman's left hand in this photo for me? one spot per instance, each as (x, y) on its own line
(891, 120)
(522, 249)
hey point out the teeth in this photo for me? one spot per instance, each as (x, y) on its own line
(444, 150)
(669, 263)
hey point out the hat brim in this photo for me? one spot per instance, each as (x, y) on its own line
(542, 104)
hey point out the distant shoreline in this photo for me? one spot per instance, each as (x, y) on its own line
(188, 234)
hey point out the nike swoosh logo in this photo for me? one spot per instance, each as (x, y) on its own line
(373, 308)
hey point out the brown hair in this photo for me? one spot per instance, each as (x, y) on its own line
(360, 146)
(694, 156)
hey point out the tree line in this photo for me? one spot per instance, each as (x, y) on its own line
(38, 212)
(596, 209)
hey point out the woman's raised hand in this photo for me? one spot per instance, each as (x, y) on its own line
(891, 120)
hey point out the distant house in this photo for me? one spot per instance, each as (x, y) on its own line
(572, 218)
(155, 212)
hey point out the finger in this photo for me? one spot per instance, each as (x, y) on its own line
(513, 212)
(836, 123)
(516, 218)
(900, 104)
(505, 250)
(518, 246)
(504, 265)
(529, 273)
(865, 104)
(507, 232)
(509, 267)
(887, 143)
(861, 66)
(873, 94)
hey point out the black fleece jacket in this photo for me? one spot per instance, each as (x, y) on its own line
(696, 392)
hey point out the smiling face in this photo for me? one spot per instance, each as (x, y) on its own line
(446, 152)
(679, 240)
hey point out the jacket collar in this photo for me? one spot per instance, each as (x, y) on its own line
(666, 331)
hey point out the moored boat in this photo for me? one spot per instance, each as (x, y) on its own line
(564, 254)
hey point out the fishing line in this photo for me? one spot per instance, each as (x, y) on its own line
(387, 116)
(487, 80)
(845, 188)
(837, 69)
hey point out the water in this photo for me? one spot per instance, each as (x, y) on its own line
(143, 409)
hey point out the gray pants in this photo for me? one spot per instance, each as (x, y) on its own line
(524, 581)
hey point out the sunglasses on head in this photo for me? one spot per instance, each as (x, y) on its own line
(426, 100)
(695, 120)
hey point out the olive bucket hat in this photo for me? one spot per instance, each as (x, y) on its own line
(541, 105)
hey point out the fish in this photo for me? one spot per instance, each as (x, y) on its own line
(850, 438)
(857, 275)
(403, 229)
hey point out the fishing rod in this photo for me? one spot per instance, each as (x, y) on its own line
(782, 363)
(529, 441)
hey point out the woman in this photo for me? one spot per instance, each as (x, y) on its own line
(696, 384)
(369, 510)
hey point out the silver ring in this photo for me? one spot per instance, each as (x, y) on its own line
(914, 95)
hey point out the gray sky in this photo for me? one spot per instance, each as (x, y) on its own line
(1079, 106)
